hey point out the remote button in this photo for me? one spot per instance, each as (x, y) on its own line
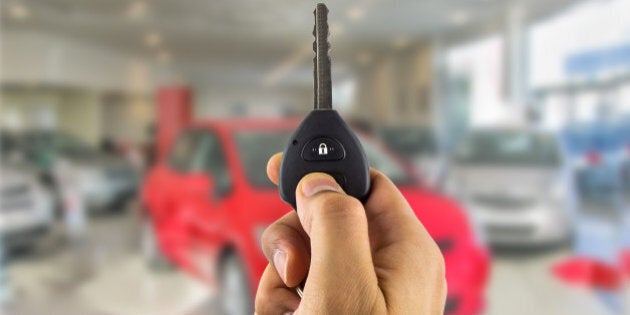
(323, 149)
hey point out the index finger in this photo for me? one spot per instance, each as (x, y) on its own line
(273, 167)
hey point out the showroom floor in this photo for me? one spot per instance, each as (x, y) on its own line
(110, 278)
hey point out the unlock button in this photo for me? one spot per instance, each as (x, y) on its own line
(323, 149)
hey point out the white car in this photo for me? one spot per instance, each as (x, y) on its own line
(26, 208)
(517, 186)
(105, 182)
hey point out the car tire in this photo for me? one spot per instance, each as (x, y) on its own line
(151, 252)
(234, 295)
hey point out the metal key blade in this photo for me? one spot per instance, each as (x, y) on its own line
(321, 62)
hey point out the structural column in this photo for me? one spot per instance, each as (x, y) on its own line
(516, 56)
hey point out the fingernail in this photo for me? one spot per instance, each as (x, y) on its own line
(280, 262)
(318, 184)
(288, 313)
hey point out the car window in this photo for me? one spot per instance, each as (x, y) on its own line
(182, 153)
(209, 157)
(411, 142)
(56, 142)
(510, 147)
(255, 148)
(381, 161)
(7, 144)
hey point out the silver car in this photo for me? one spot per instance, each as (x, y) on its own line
(517, 186)
(26, 208)
(103, 181)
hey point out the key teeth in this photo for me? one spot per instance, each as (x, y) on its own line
(321, 62)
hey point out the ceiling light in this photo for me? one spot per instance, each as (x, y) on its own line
(459, 17)
(152, 39)
(137, 10)
(356, 13)
(164, 56)
(18, 11)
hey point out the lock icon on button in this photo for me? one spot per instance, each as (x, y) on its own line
(323, 149)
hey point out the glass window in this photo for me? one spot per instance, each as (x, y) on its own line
(209, 157)
(385, 163)
(181, 155)
(510, 148)
(475, 74)
(411, 142)
(7, 143)
(255, 148)
(591, 32)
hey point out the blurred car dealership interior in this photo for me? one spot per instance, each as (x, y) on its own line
(134, 136)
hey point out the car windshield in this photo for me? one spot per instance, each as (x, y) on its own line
(509, 147)
(59, 142)
(256, 146)
(7, 143)
(410, 141)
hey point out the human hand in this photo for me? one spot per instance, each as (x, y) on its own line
(375, 258)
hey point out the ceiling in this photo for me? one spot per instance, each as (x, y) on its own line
(256, 41)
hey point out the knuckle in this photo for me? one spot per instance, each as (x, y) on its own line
(272, 236)
(269, 238)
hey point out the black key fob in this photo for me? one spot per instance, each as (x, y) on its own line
(324, 142)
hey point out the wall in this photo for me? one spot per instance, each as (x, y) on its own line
(77, 112)
(127, 118)
(215, 102)
(396, 88)
(40, 58)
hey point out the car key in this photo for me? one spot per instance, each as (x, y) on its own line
(323, 142)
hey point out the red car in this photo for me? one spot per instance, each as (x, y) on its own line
(208, 201)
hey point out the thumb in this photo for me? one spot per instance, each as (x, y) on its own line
(340, 246)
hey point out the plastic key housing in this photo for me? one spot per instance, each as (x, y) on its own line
(340, 156)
